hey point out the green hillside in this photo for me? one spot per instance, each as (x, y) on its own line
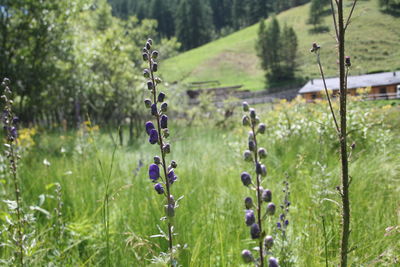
(373, 43)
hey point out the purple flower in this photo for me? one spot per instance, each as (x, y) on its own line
(273, 262)
(252, 145)
(14, 132)
(248, 202)
(159, 188)
(247, 256)
(286, 222)
(149, 126)
(172, 177)
(255, 231)
(246, 178)
(278, 224)
(161, 97)
(250, 218)
(154, 111)
(268, 242)
(266, 195)
(154, 172)
(258, 168)
(153, 136)
(271, 208)
(164, 121)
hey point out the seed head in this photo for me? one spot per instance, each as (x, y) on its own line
(249, 218)
(159, 188)
(246, 178)
(255, 231)
(145, 56)
(315, 47)
(271, 208)
(252, 113)
(347, 61)
(248, 202)
(247, 256)
(165, 132)
(268, 242)
(246, 120)
(154, 172)
(153, 136)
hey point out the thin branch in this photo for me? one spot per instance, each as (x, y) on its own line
(334, 20)
(327, 94)
(351, 13)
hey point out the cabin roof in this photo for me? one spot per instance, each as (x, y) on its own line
(376, 79)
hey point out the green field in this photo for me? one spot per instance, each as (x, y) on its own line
(373, 42)
(301, 145)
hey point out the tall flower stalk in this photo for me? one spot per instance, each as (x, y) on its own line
(158, 134)
(341, 25)
(254, 220)
(10, 126)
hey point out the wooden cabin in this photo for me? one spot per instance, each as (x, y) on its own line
(384, 85)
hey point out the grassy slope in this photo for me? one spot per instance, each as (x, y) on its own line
(373, 42)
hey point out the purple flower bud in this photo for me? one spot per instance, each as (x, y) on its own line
(174, 164)
(157, 160)
(246, 178)
(161, 97)
(271, 209)
(164, 121)
(258, 168)
(263, 170)
(166, 148)
(154, 111)
(157, 80)
(278, 225)
(252, 145)
(262, 153)
(247, 155)
(148, 45)
(245, 106)
(246, 120)
(149, 126)
(164, 107)
(286, 222)
(154, 67)
(165, 132)
(153, 136)
(146, 73)
(154, 172)
(266, 195)
(252, 113)
(154, 54)
(255, 231)
(172, 177)
(249, 218)
(268, 242)
(145, 56)
(282, 217)
(147, 103)
(261, 128)
(150, 85)
(248, 202)
(247, 256)
(272, 262)
(347, 61)
(159, 188)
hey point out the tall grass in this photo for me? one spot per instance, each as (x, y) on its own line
(208, 219)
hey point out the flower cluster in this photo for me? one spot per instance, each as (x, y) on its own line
(283, 222)
(162, 175)
(254, 213)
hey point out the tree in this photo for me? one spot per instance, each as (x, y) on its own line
(316, 12)
(277, 51)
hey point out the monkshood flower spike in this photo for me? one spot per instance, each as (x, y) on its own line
(255, 214)
(161, 174)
